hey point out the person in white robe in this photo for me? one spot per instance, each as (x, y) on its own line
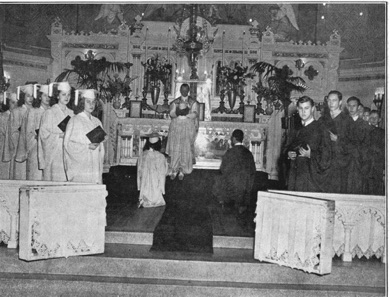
(83, 159)
(25, 97)
(51, 137)
(7, 106)
(28, 142)
(152, 169)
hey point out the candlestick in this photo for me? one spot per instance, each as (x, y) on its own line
(169, 40)
(146, 46)
(242, 47)
(223, 37)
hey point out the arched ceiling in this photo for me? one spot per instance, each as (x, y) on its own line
(361, 26)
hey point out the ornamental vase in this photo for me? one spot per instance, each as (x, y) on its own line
(155, 93)
(269, 109)
(231, 95)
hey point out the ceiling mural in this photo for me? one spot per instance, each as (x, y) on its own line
(362, 26)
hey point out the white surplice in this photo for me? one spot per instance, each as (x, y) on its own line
(50, 144)
(5, 167)
(28, 143)
(151, 174)
(81, 163)
(18, 169)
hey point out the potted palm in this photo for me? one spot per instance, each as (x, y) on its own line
(275, 85)
(93, 73)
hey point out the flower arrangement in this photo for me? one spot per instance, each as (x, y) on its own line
(115, 85)
(157, 70)
(232, 78)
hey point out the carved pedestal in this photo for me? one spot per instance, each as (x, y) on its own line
(62, 221)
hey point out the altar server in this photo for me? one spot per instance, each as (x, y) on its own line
(83, 143)
(152, 169)
(7, 105)
(28, 142)
(51, 133)
(25, 97)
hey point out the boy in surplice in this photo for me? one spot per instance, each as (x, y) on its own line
(309, 151)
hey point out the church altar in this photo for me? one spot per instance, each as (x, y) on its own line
(196, 59)
(127, 138)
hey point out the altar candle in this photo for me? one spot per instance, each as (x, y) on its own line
(169, 40)
(223, 37)
(242, 47)
(146, 46)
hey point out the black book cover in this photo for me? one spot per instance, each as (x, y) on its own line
(63, 124)
(96, 135)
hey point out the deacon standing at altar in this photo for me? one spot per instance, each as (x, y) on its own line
(83, 143)
(51, 134)
(152, 169)
(25, 100)
(183, 129)
(237, 176)
(309, 151)
(8, 104)
(28, 142)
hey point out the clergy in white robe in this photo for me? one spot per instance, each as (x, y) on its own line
(51, 137)
(25, 100)
(83, 159)
(152, 169)
(28, 142)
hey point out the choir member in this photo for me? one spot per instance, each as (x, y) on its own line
(51, 133)
(339, 128)
(7, 105)
(84, 154)
(28, 142)
(309, 151)
(25, 96)
(357, 179)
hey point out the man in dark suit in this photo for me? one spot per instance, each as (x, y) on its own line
(237, 176)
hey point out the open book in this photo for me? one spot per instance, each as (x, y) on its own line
(96, 135)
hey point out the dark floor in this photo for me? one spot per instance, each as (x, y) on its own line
(123, 214)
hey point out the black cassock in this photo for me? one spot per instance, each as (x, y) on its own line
(336, 178)
(377, 160)
(238, 171)
(306, 173)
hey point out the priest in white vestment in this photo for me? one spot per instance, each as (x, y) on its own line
(28, 141)
(83, 159)
(25, 97)
(51, 137)
(152, 169)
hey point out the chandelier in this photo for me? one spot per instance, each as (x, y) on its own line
(193, 39)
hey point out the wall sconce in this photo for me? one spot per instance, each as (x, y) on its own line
(299, 64)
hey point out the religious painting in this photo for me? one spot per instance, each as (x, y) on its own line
(135, 109)
(212, 145)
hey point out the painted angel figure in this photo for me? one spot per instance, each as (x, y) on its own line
(110, 11)
(283, 22)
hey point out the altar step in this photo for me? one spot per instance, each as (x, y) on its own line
(132, 270)
(146, 238)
